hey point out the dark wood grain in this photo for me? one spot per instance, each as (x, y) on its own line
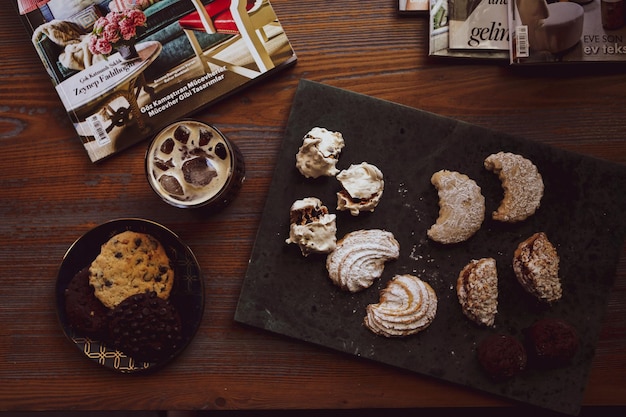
(52, 194)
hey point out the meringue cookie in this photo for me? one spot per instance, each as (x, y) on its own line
(363, 187)
(312, 227)
(319, 153)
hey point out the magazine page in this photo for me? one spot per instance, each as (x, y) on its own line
(439, 42)
(479, 24)
(574, 31)
(124, 69)
(413, 6)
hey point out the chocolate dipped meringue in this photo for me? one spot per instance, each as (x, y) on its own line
(312, 227)
(363, 187)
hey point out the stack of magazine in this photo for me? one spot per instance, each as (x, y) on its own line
(525, 32)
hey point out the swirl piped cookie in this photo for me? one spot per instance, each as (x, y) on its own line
(360, 258)
(407, 306)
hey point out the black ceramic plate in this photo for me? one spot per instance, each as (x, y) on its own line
(187, 295)
(581, 213)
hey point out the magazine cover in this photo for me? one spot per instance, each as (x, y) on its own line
(479, 24)
(439, 41)
(124, 69)
(413, 6)
(575, 31)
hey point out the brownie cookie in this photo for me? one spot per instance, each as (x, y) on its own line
(552, 342)
(145, 327)
(130, 263)
(85, 313)
(502, 356)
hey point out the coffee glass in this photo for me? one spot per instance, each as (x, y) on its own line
(191, 164)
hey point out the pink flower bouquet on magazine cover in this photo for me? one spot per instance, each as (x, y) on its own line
(114, 30)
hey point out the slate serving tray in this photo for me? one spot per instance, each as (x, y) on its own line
(581, 213)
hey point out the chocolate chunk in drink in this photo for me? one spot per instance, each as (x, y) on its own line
(171, 185)
(221, 151)
(205, 137)
(182, 133)
(199, 171)
(167, 146)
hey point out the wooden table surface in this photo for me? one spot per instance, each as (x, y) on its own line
(52, 194)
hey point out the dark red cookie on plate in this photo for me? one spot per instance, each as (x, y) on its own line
(86, 315)
(552, 342)
(502, 356)
(145, 327)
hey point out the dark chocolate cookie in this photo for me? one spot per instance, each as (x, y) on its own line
(85, 313)
(502, 356)
(145, 327)
(552, 342)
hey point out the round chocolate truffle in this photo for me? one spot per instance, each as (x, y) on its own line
(145, 327)
(552, 342)
(502, 356)
(85, 314)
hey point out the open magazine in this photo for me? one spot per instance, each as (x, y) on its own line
(574, 31)
(124, 69)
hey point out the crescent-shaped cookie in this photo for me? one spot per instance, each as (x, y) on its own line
(461, 207)
(522, 184)
(407, 306)
(360, 257)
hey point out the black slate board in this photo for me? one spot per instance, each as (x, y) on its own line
(581, 212)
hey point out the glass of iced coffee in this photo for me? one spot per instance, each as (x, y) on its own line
(191, 164)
